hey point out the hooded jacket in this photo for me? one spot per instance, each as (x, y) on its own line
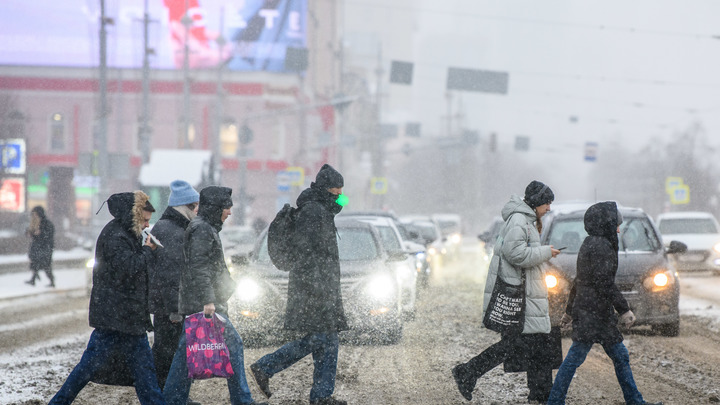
(169, 262)
(520, 249)
(119, 297)
(42, 244)
(205, 277)
(594, 297)
(314, 298)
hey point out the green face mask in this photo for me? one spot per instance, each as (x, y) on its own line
(342, 200)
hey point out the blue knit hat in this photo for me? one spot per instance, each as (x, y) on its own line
(181, 193)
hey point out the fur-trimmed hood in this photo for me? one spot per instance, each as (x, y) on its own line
(128, 209)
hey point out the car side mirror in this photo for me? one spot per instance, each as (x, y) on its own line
(485, 236)
(676, 247)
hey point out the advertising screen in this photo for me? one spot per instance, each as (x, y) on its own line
(256, 33)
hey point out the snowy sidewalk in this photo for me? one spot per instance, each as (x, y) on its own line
(61, 259)
(12, 285)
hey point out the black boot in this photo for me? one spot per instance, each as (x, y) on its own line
(262, 380)
(52, 279)
(32, 280)
(465, 382)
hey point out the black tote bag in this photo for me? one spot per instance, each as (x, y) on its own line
(506, 309)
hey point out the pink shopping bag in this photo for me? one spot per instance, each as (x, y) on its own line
(207, 354)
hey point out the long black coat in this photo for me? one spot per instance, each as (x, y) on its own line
(594, 298)
(205, 277)
(42, 245)
(169, 262)
(314, 298)
(119, 297)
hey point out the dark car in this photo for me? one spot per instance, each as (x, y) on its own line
(489, 236)
(369, 280)
(645, 277)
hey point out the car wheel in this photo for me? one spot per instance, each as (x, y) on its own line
(671, 329)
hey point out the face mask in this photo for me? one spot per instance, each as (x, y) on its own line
(342, 200)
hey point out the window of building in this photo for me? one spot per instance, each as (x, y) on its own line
(229, 139)
(57, 132)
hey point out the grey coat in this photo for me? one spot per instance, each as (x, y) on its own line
(519, 248)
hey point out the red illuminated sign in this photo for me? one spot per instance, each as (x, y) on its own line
(12, 195)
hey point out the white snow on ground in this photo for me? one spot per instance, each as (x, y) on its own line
(13, 285)
(35, 364)
(77, 253)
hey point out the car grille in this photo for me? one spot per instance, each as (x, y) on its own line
(282, 285)
(626, 287)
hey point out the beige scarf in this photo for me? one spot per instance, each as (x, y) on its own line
(185, 211)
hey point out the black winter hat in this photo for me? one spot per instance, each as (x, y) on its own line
(328, 177)
(537, 194)
(216, 196)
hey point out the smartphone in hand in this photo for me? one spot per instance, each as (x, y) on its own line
(562, 248)
(152, 238)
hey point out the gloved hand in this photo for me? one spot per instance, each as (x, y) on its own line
(628, 319)
(566, 323)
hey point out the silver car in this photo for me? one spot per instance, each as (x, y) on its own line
(371, 289)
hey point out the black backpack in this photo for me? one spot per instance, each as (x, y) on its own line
(280, 238)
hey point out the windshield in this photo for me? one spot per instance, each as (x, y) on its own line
(636, 235)
(427, 230)
(353, 244)
(389, 238)
(687, 225)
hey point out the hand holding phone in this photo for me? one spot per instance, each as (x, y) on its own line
(562, 248)
(152, 238)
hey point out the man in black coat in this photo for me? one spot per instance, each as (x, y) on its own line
(206, 286)
(165, 274)
(592, 305)
(42, 234)
(314, 306)
(119, 306)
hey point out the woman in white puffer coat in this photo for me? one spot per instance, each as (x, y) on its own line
(519, 248)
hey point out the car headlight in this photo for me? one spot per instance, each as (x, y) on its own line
(717, 247)
(381, 287)
(248, 289)
(551, 281)
(90, 263)
(659, 281)
(455, 238)
(420, 256)
(432, 251)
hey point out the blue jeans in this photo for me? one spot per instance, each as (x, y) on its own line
(324, 348)
(102, 345)
(177, 385)
(576, 356)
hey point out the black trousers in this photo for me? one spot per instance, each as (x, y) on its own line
(167, 336)
(539, 370)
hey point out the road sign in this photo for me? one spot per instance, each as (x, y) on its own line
(591, 151)
(680, 195)
(378, 185)
(12, 156)
(283, 181)
(671, 183)
(297, 175)
(12, 195)
(485, 81)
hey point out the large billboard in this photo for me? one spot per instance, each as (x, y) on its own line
(257, 33)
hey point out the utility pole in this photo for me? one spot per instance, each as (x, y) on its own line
(219, 105)
(187, 23)
(101, 132)
(145, 131)
(379, 144)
